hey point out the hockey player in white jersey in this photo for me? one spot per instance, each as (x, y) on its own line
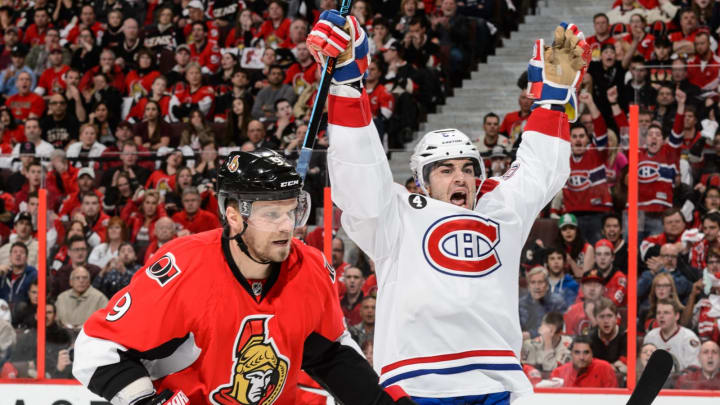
(447, 327)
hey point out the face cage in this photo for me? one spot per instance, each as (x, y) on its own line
(245, 202)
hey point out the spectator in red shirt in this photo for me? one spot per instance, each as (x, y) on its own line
(193, 219)
(683, 40)
(196, 13)
(163, 179)
(579, 318)
(704, 69)
(52, 80)
(350, 302)
(298, 34)
(243, 33)
(138, 82)
(35, 33)
(203, 49)
(85, 180)
(276, 27)
(707, 376)
(25, 104)
(602, 35)
(614, 280)
(142, 222)
(301, 74)
(641, 43)
(514, 122)
(87, 21)
(112, 71)
(93, 219)
(584, 370)
(192, 95)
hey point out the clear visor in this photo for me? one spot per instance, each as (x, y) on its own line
(277, 216)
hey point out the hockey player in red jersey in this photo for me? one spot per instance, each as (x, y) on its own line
(230, 316)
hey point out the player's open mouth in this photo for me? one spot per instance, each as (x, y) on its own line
(458, 198)
(281, 242)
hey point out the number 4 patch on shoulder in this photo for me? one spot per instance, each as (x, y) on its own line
(417, 201)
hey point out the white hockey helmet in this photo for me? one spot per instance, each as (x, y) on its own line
(439, 145)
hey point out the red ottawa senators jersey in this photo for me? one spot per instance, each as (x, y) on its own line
(190, 321)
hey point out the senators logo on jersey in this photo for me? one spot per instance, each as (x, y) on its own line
(260, 370)
(164, 269)
(463, 245)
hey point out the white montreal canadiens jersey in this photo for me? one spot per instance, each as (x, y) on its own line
(447, 319)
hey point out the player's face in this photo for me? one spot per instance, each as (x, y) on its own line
(603, 258)
(453, 181)
(666, 316)
(270, 229)
(611, 229)
(710, 357)
(592, 290)
(606, 321)
(581, 355)
(555, 263)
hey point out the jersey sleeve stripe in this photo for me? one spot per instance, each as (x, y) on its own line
(451, 370)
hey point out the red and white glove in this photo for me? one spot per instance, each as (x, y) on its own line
(167, 397)
(340, 37)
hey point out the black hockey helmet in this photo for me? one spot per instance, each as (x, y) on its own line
(261, 175)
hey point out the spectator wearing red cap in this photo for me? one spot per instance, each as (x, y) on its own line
(707, 376)
(193, 219)
(25, 104)
(612, 230)
(580, 317)
(614, 280)
(583, 370)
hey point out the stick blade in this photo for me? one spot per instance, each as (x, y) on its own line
(653, 378)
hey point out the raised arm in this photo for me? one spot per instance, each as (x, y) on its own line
(359, 171)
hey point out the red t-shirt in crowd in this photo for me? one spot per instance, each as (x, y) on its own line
(598, 374)
(22, 106)
(513, 125)
(53, 81)
(200, 222)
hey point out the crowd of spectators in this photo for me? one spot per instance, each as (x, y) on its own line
(122, 111)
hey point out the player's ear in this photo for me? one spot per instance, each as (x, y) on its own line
(233, 217)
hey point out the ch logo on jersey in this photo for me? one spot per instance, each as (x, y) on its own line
(579, 180)
(164, 269)
(462, 245)
(648, 172)
(259, 371)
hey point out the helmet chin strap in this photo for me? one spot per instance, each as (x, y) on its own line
(243, 246)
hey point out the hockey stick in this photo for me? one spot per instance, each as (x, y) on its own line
(318, 107)
(653, 378)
